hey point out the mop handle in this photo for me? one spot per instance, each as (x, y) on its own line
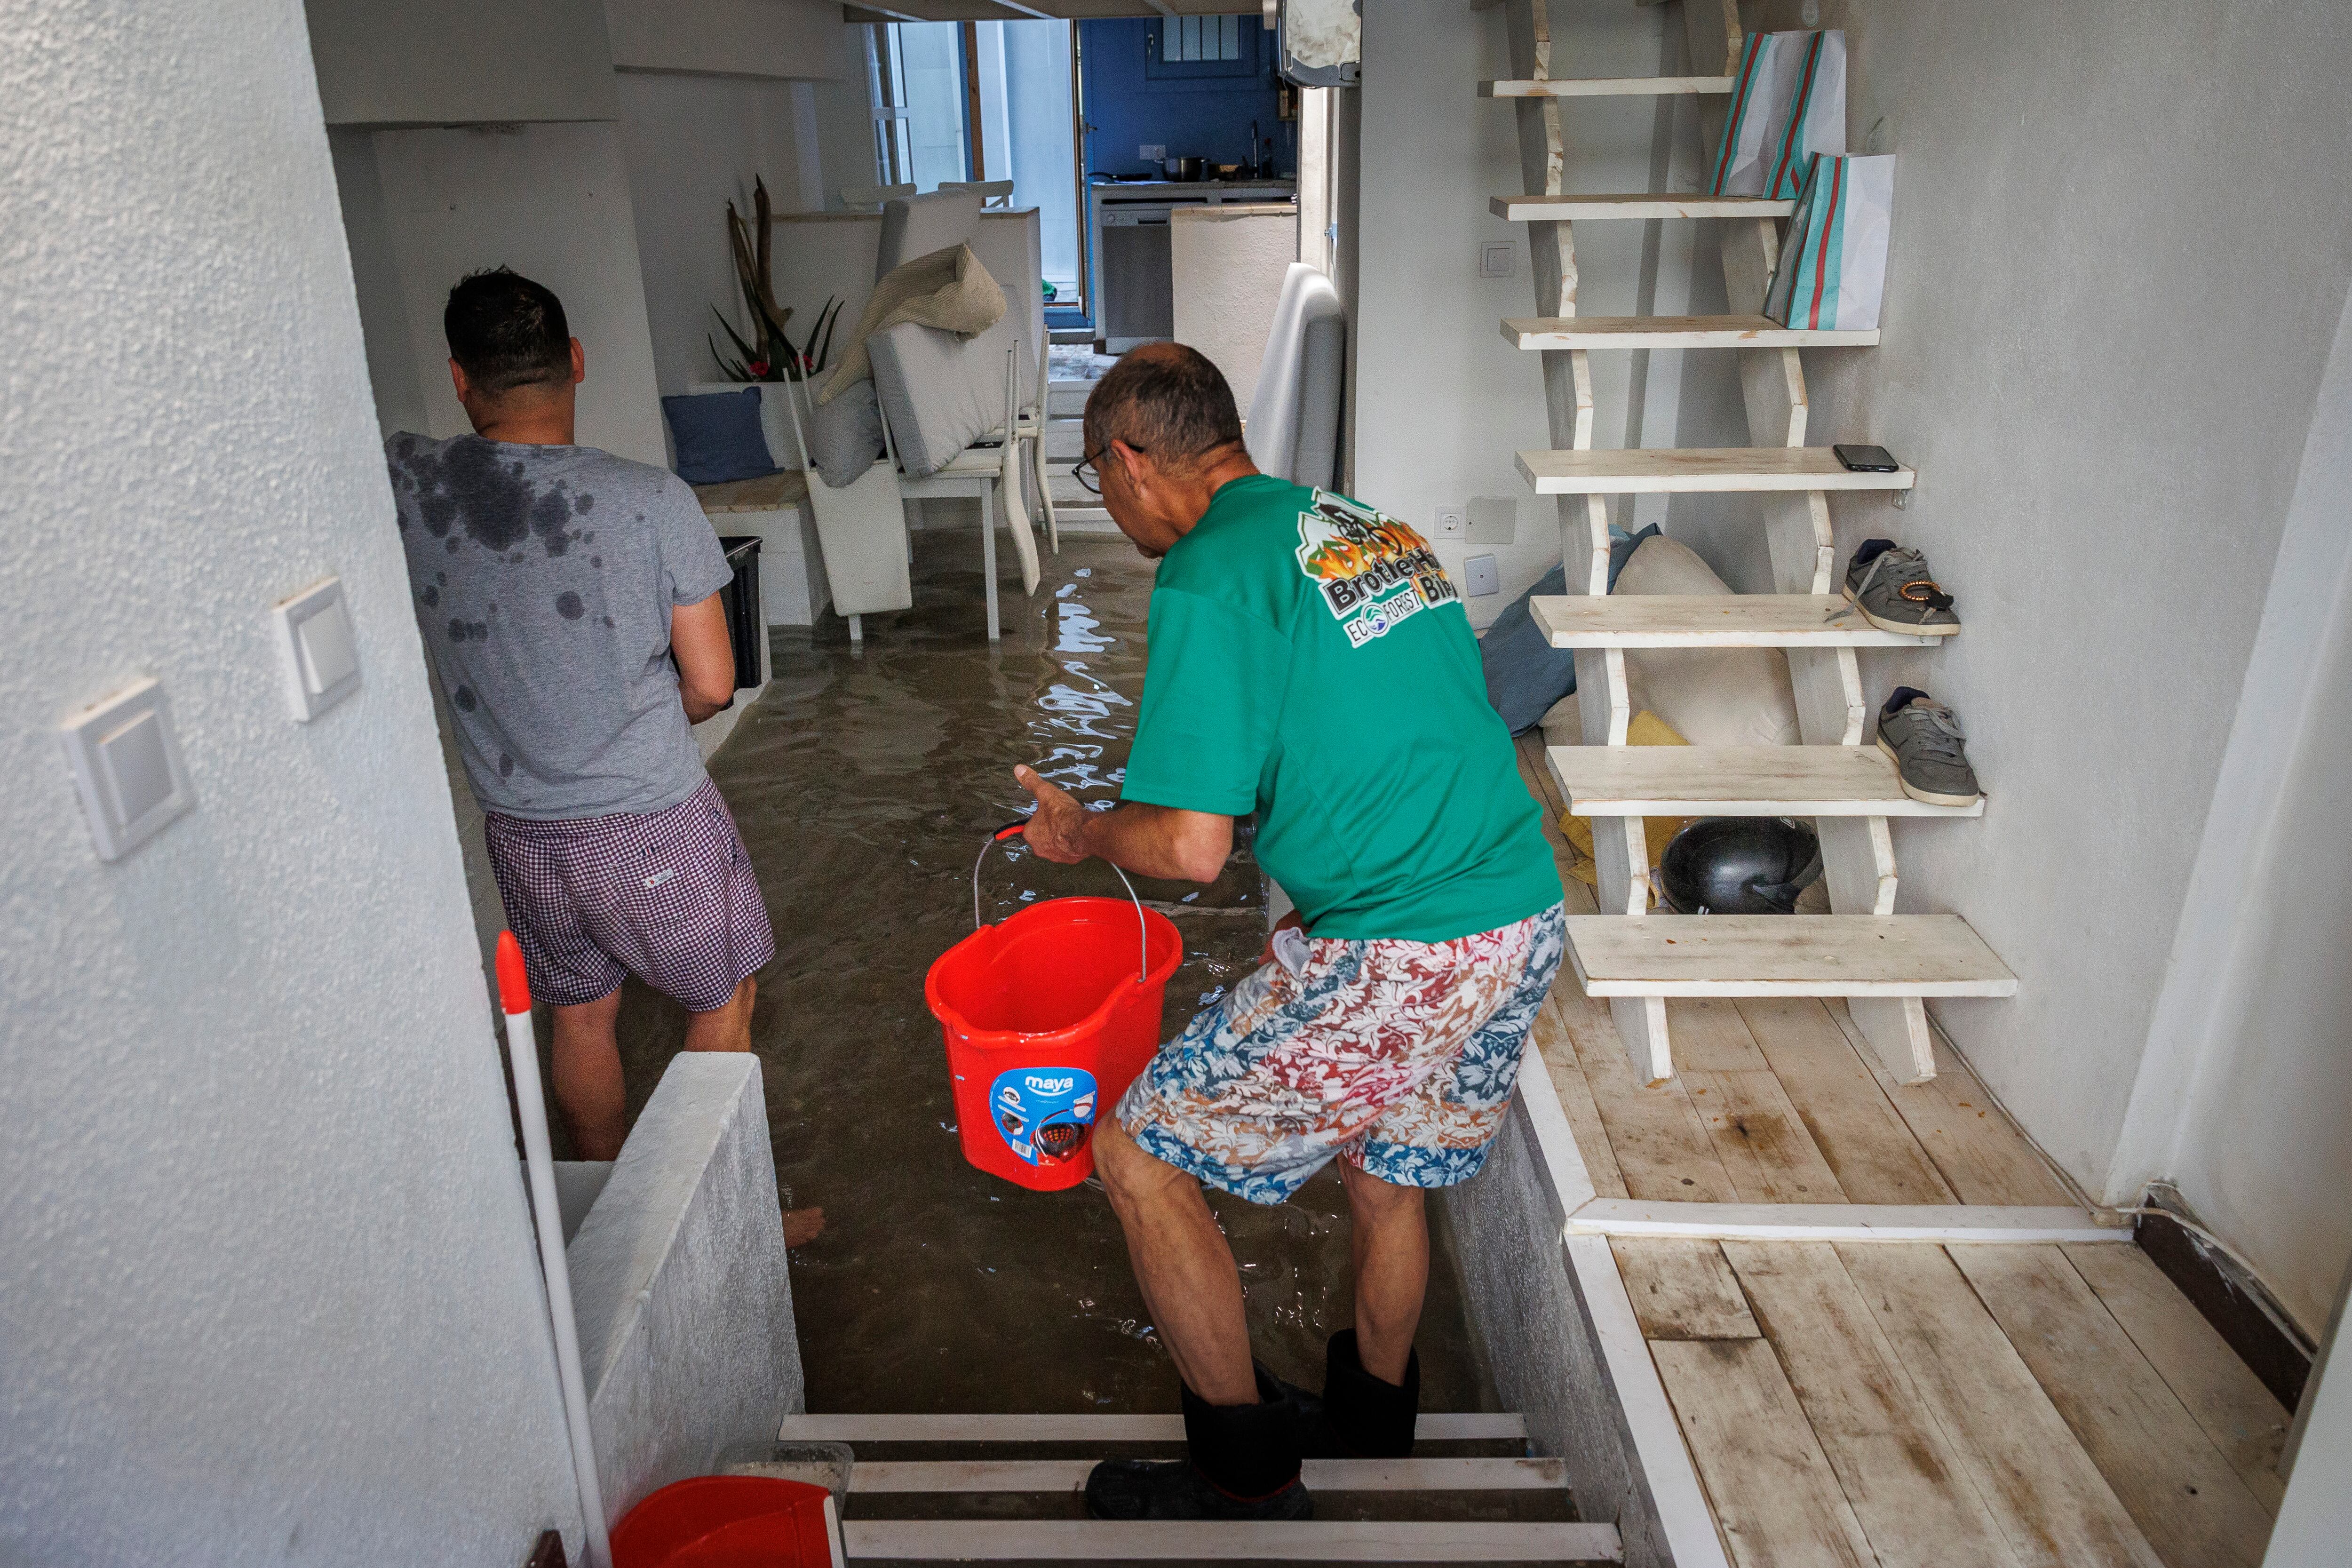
(1142, 927)
(523, 1052)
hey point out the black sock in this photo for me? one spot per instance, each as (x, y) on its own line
(1870, 550)
(1372, 1417)
(1899, 699)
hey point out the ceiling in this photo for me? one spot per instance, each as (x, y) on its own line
(1005, 11)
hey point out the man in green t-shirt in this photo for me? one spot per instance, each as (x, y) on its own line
(1309, 662)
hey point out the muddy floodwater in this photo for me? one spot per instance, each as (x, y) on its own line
(864, 784)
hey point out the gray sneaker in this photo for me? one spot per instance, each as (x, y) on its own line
(1930, 755)
(1891, 586)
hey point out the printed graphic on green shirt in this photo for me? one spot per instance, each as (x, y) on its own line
(1373, 572)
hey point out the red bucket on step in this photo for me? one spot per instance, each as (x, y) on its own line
(731, 1521)
(1047, 1017)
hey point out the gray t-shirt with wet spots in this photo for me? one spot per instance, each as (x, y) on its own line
(544, 578)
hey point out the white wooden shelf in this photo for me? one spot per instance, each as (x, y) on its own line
(1673, 332)
(1214, 1540)
(1605, 87)
(1736, 781)
(1711, 620)
(1649, 470)
(1939, 1224)
(1634, 205)
(943, 1476)
(1784, 955)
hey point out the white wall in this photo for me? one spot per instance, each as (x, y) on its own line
(2101, 355)
(2242, 1096)
(693, 143)
(1442, 403)
(1227, 263)
(552, 202)
(267, 1285)
(728, 38)
(393, 370)
(454, 62)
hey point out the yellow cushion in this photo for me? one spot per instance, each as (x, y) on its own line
(1645, 728)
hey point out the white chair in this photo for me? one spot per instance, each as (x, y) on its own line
(869, 198)
(990, 476)
(861, 527)
(993, 193)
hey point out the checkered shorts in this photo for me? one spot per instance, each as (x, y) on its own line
(666, 896)
(1397, 1056)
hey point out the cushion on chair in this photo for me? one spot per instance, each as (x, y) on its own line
(1275, 412)
(939, 391)
(846, 436)
(1323, 357)
(717, 436)
(916, 225)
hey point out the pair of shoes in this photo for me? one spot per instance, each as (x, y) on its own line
(1357, 1415)
(1242, 1463)
(1891, 587)
(1929, 752)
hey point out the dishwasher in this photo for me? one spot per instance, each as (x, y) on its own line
(1138, 288)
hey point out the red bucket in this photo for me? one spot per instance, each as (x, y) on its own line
(731, 1521)
(1047, 1017)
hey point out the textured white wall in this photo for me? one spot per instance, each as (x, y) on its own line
(458, 63)
(2101, 355)
(552, 203)
(1442, 403)
(1228, 264)
(693, 143)
(266, 1286)
(2253, 1029)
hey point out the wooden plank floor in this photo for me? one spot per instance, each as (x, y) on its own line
(1896, 1404)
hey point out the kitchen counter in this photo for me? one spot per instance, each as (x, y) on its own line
(1129, 290)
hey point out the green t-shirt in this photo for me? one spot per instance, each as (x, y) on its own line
(1309, 661)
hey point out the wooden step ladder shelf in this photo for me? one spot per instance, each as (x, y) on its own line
(1574, 332)
(1606, 87)
(1784, 955)
(1634, 205)
(1736, 781)
(1682, 470)
(1218, 1541)
(1434, 1427)
(1712, 620)
(939, 1477)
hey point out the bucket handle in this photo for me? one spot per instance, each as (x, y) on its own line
(1142, 927)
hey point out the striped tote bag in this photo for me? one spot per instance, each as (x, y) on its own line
(1832, 270)
(1788, 102)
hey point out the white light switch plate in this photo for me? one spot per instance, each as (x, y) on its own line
(1494, 520)
(1479, 572)
(127, 765)
(1152, 151)
(1497, 258)
(317, 655)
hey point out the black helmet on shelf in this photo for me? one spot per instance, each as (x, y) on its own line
(1739, 865)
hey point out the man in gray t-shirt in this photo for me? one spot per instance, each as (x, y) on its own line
(568, 600)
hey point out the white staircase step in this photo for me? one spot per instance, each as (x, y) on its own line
(1640, 471)
(1604, 87)
(1784, 955)
(1206, 1541)
(1711, 620)
(1321, 1475)
(1736, 781)
(1438, 1427)
(1635, 204)
(1672, 332)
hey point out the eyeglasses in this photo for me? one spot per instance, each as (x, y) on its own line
(1088, 473)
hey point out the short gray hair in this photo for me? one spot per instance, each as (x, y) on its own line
(1166, 400)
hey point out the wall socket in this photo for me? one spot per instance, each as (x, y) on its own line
(1480, 578)
(1453, 521)
(1153, 151)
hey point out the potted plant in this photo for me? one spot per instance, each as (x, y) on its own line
(770, 354)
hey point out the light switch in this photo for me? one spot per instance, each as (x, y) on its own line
(1497, 258)
(1152, 151)
(127, 766)
(1479, 574)
(1494, 520)
(316, 650)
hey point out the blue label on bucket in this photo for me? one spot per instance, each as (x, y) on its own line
(1043, 1113)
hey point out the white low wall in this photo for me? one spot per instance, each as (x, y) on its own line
(679, 1287)
(1227, 264)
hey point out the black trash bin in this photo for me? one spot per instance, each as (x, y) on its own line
(747, 620)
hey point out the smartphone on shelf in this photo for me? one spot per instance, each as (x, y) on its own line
(1868, 459)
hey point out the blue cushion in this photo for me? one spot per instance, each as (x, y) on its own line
(1525, 674)
(717, 436)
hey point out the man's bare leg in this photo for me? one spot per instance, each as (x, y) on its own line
(587, 1074)
(1184, 1266)
(1390, 1240)
(728, 1027)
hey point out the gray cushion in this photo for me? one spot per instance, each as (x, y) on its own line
(940, 392)
(846, 436)
(916, 225)
(1323, 375)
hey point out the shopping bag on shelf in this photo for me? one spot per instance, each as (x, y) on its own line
(1832, 269)
(1788, 102)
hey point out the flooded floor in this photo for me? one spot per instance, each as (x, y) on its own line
(864, 784)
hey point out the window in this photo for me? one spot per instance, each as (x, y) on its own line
(1202, 47)
(916, 78)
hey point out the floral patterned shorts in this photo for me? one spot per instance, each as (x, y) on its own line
(1399, 1054)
